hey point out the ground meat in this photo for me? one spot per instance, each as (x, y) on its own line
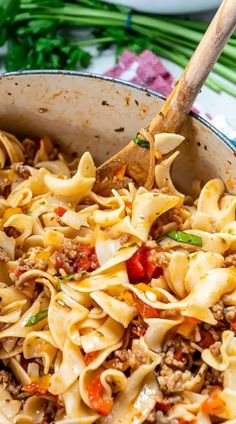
(21, 170)
(170, 360)
(218, 310)
(230, 314)
(160, 259)
(158, 417)
(129, 358)
(73, 258)
(41, 264)
(213, 378)
(50, 412)
(138, 327)
(215, 332)
(230, 260)
(177, 343)
(171, 381)
(66, 257)
(4, 257)
(26, 265)
(124, 238)
(215, 348)
(30, 149)
(17, 272)
(173, 216)
(8, 382)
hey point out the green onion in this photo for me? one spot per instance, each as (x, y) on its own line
(67, 277)
(36, 318)
(38, 35)
(142, 143)
(183, 237)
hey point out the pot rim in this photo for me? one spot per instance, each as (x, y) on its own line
(148, 91)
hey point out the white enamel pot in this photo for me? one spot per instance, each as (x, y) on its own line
(88, 112)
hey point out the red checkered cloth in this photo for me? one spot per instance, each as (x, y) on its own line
(145, 69)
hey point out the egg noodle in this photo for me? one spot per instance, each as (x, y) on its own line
(117, 309)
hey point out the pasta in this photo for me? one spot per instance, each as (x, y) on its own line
(117, 309)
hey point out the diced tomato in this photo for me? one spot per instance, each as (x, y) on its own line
(96, 397)
(87, 259)
(142, 266)
(15, 271)
(213, 405)
(206, 339)
(146, 311)
(89, 357)
(233, 325)
(60, 210)
(178, 355)
(34, 388)
(135, 267)
(139, 327)
(162, 406)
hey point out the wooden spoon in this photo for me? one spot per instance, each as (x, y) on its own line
(140, 161)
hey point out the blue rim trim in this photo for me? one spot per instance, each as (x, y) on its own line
(230, 144)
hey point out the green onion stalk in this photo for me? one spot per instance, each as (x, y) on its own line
(40, 34)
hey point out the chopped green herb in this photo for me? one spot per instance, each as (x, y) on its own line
(67, 277)
(36, 318)
(183, 237)
(142, 143)
(58, 284)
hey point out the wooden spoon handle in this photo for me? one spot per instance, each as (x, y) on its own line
(182, 97)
